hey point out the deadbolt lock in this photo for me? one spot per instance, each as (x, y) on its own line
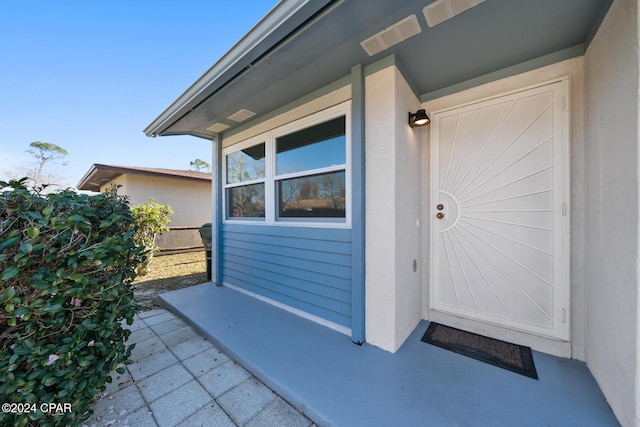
(440, 207)
(440, 215)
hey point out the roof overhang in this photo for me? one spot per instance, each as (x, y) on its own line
(280, 23)
(99, 175)
(304, 45)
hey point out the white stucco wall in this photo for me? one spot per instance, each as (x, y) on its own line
(574, 69)
(612, 203)
(189, 199)
(393, 289)
(409, 144)
(380, 240)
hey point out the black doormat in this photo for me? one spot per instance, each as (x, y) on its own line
(515, 358)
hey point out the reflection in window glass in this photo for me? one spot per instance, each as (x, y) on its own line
(316, 147)
(315, 196)
(246, 165)
(246, 201)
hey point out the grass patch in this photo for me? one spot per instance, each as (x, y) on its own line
(168, 273)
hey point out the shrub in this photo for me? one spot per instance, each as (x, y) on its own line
(67, 261)
(151, 219)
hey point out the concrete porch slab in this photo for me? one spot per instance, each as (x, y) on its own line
(335, 382)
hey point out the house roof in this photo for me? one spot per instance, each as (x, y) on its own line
(99, 174)
(304, 45)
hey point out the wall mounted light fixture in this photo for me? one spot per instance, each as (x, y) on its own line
(420, 118)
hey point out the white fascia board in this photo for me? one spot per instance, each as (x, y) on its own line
(279, 15)
(87, 176)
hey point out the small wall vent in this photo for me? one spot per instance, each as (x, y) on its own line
(241, 115)
(218, 127)
(392, 35)
(442, 10)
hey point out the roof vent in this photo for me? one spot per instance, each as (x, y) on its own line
(391, 36)
(218, 127)
(241, 115)
(441, 10)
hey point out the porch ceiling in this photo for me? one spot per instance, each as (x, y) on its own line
(318, 42)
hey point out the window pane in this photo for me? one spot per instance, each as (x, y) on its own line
(312, 148)
(246, 165)
(246, 201)
(315, 196)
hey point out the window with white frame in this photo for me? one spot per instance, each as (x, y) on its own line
(298, 173)
(245, 181)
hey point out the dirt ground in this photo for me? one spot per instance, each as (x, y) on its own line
(169, 272)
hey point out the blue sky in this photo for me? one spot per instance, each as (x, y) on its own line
(89, 76)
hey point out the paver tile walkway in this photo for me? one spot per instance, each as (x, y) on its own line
(179, 378)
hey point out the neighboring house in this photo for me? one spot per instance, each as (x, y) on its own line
(187, 192)
(514, 214)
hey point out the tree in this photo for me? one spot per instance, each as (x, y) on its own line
(200, 165)
(45, 154)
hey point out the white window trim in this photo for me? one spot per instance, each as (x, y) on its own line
(269, 138)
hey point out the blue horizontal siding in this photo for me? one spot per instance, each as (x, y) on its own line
(302, 305)
(295, 283)
(317, 245)
(307, 233)
(279, 266)
(302, 294)
(306, 268)
(292, 261)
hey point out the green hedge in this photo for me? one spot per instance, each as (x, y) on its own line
(67, 261)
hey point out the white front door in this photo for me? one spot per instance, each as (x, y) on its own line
(499, 211)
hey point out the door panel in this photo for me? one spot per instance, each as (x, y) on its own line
(499, 173)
